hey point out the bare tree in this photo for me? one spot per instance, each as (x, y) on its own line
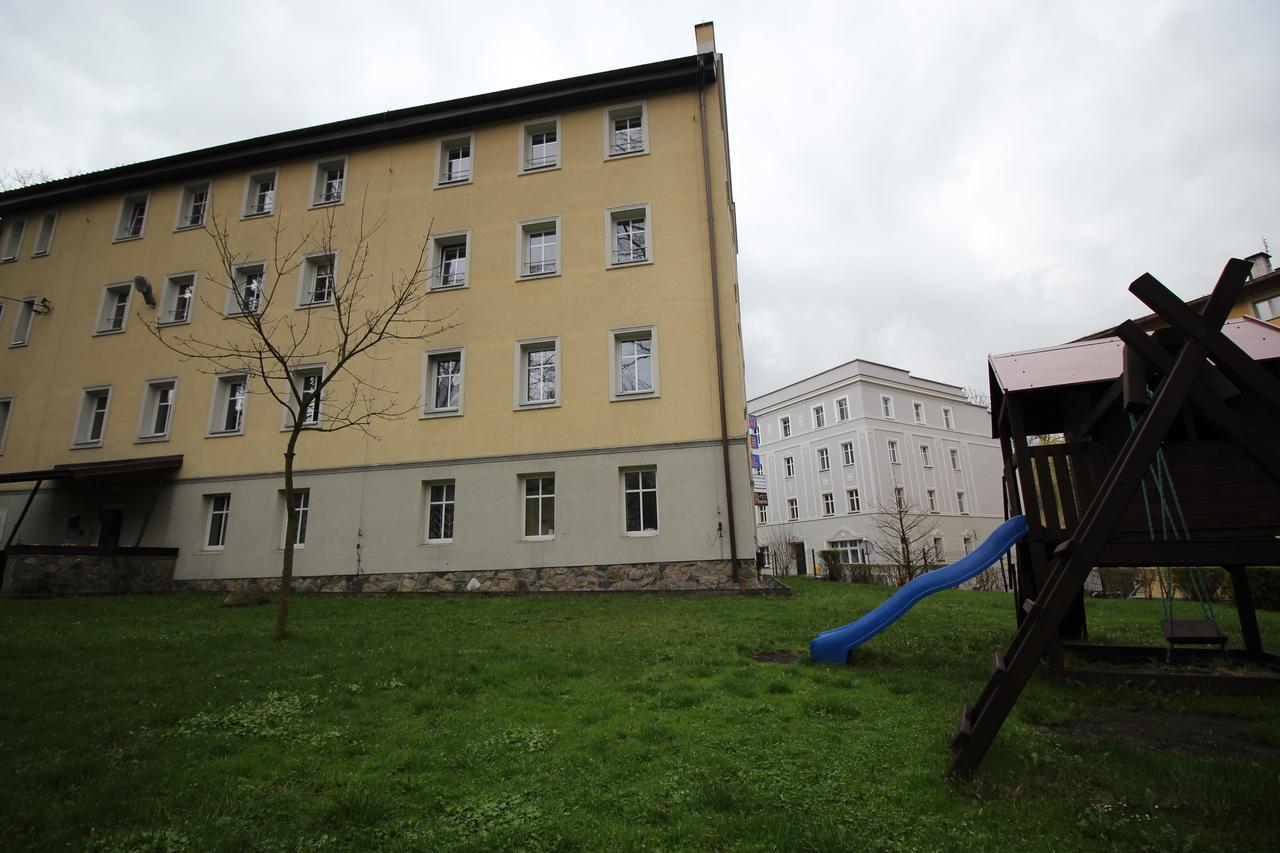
(350, 319)
(902, 534)
(778, 541)
(977, 397)
(17, 178)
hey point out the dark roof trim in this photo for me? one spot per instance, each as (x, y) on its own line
(80, 470)
(367, 130)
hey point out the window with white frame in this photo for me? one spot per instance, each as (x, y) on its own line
(842, 409)
(540, 145)
(846, 449)
(11, 244)
(628, 229)
(318, 280)
(917, 411)
(948, 419)
(175, 302)
(229, 400)
(92, 421)
(44, 235)
(450, 265)
(954, 453)
(330, 181)
(538, 375)
(819, 417)
(793, 509)
(893, 452)
(440, 511)
(308, 397)
(444, 383)
(626, 132)
(6, 411)
(852, 551)
(784, 424)
(115, 308)
(824, 459)
(260, 194)
(789, 465)
(854, 499)
(640, 501)
(1267, 309)
(454, 161)
(635, 362)
(828, 503)
(961, 504)
(301, 512)
(932, 495)
(899, 497)
(886, 405)
(539, 506)
(245, 296)
(219, 513)
(939, 552)
(762, 511)
(926, 457)
(157, 409)
(133, 216)
(193, 205)
(967, 544)
(22, 322)
(539, 247)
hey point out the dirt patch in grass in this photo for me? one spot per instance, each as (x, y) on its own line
(1151, 728)
(779, 656)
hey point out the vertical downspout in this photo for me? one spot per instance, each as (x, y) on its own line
(715, 301)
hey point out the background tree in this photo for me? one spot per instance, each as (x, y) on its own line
(977, 397)
(778, 541)
(13, 179)
(350, 317)
(902, 534)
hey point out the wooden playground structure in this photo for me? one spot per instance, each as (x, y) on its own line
(1168, 459)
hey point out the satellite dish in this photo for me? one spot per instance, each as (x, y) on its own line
(143, 286)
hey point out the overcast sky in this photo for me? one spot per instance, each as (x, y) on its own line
(918, 184)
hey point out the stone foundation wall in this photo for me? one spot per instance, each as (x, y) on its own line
(705, 576)
(35, 575)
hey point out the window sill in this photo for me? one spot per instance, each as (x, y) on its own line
(85, 445)
(442, 185)
(328, 303)
(540, 170)
(444, 413)
(647, 262)
(315, 205)
(183, 322)
(35, 255)
(538, 538)
(640, 534)
(436, 542)
(212, 549)
(263, 215)
(150, 439)
(528, 407)
(12, 260)
(639, 395)
(226, 434)
(100, 333)
(127, 239)
(537, 276)
(442, 288)
(824, 470)
(231, 315)
(609, 158)
(181, 228)
(17, 345)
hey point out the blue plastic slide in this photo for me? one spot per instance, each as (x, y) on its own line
(834, 646)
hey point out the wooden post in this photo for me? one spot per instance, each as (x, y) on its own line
(1246, 611)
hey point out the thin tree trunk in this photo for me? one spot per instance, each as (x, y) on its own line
(290, 534)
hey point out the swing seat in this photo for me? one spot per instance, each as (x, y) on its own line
(1192, 632)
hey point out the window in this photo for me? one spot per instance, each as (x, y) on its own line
(260, 194)
(454, 161)
(954, 452)
(635, 360)
(628, 235)
(44, 237)
(893, 452)
(440, 503)
(540, 145)
(330, 181)
(538, 378)
(193, 205)
(625, 131)
(762, 510)
(92, 422)
(948, 419)
(852, 551)
(229, 398)
(819, 417)
(640, 499)
(960, 505)
(968, 545)
(789, 465)
(917, 411)
(175, 306)
(824, 459)
(157, 409)
(828, 503)
(540, 506)
(310, 396)
(886, 406)
(443, 394)
(926, 458)
(939, 553)
(847, 450)
(219, 514)
(245, 296)
(22, 322)
(13, 229)
(784, 423)
(318, 280)
(933, 499)
(842, 409)
(1267, 309)
(899, 497)
(301, 511)
(115, 308)
(6, 409)
(539, 248)
(133, 216)
(855, 502)
(450, 265)
(793, 509)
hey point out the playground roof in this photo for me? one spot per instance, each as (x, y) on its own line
(1086, 362)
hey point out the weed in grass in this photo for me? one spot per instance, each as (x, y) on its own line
(779, 687)
(679, 695)
(835, 706)
(356, 806)
(279, 715)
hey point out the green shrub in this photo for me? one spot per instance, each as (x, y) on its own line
(1265, 585)
(831, 563)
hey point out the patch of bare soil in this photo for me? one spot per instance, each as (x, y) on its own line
(775, 657)
(1150, 728)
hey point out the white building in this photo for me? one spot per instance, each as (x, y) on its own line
(837, 446)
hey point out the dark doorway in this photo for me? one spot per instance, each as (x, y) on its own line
(797, 549)
(109, 524)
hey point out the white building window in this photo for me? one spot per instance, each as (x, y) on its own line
(954, 453)
(926, 458)
(91, 425)
(330, 182)
(175, 302)
(6, 410)
(967, 544)
(828, 503)
(961, 505)
(444, 383)
(1267, 309)
(640, 501)
(635, 362)
(784, 424)
(538, 372)
(229, 399)
(917, 411)
(133, 216)
(819, 417)
(301, 511)
(540, 145)
(450, 266)
(454, 161)
(762, 514)
(886, 405)
(846, 450)
(260, 194)
(793, 509)
(22, 322)
(193, 205)
(219, 513)
(852, 551)
(440, 510)
(842, 409)
(318, 280)
(933, 499)
(789, 465)
(855, 501)
(626, 131)
(824, 459)
(44, 236)
(939, 552)
(899, 497)
(948, 419)
(245, 296)
(11, 245)
(628, 235)
(115, 308)
(539, 506)
(308, 398)
(539, 247)
(157, 409)
(893, 452)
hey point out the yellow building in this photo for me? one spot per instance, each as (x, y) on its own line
(578, 424)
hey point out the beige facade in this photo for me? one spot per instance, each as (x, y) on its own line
(77, 376)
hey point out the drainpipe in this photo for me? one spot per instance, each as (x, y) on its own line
(715, 302)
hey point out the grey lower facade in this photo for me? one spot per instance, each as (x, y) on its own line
(372, 523)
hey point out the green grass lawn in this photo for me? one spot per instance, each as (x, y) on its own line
(608, 722)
